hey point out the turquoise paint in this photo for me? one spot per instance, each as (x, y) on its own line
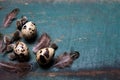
(93, 29)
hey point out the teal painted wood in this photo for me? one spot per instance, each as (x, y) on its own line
(93, 29)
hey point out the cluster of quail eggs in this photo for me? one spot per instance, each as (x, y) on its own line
(44, 50)
(28, 31)
(21, 52)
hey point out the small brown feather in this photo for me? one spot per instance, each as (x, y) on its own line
(10, 17)
(1, 42)
(44, 41)
(18, 68)
(65, 59)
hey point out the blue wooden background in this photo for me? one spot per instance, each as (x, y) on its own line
(92, 28)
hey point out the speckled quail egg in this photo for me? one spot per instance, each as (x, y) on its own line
(29, 30)
(21, 51)
(45, 55)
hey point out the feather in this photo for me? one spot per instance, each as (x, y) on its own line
(10, 17)
(65, 59)
(44, 41)
(16, 36)
(18, 68)
(1, 42)
(1, 45)
(6, 41)
(4, 75)
(21, 22)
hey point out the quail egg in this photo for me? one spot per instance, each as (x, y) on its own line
(45, 55)
(29, 30)
(21, 51)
